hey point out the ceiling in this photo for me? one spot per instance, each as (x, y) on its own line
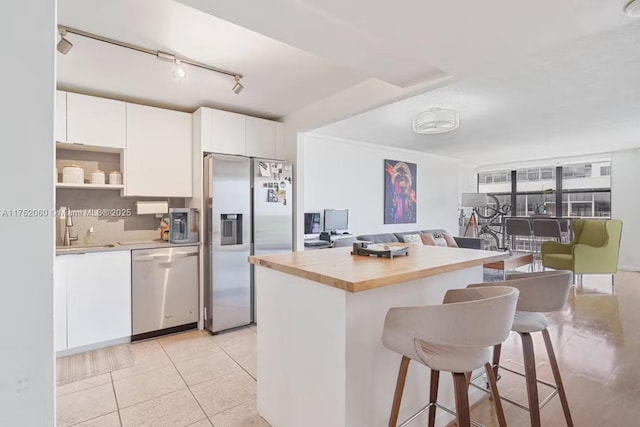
(406, 42)
(298, 53)
(279, 79)
(581, 97)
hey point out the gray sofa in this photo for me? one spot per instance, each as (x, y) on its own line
(463, 242)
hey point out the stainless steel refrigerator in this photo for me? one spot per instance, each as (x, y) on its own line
(248, 210)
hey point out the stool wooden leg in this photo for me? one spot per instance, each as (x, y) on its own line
(433, 396)
(496, 359)
(556, 376)
(530, 376)
(397, 398)
(502, 422)
(462, 399)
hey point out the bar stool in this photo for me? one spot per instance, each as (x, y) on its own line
(519, 227)
(545, 229)
(540, 292)
(564, 230)
(456, 337)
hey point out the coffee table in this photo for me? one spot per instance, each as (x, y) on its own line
(518, 259)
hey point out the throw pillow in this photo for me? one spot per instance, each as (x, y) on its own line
(412, 238)
(427, 239)
(451, 242)
(440, 242)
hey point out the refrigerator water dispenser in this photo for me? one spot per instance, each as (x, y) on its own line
(230, 229)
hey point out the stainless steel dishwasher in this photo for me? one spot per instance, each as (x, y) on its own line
(164, 290)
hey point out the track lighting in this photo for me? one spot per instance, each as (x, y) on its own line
(64, 45)
(178, 71)
(237, 88)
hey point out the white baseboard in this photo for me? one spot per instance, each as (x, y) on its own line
(629, 268)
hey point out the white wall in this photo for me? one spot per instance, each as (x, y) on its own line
(625, 204)
(27, 84)
(467, 183)
(348, 174)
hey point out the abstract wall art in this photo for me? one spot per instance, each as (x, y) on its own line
(400, 192)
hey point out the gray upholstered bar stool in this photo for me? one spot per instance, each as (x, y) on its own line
(545, 229)
(456, 337)
(540, 292)
(519, 227)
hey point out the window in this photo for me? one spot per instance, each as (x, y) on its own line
(547, 173)
(587, 203)
(586, 189)
(577, 171)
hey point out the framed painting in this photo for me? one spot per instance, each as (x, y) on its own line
(400, 192)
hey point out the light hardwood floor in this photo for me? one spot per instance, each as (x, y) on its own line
(195, 379)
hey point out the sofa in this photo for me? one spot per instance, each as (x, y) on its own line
(462, 242)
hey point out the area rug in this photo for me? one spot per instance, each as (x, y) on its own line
(92, 363)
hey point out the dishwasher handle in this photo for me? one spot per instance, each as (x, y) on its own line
(164, 258)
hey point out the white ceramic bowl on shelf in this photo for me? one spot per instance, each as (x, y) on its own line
(73, 174)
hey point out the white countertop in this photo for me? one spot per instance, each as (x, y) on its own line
(118, 246)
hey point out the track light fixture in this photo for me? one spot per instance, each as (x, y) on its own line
(178, 71)
(64, 45)
(237, 88)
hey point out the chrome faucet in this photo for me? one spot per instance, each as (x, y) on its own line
(68, 223)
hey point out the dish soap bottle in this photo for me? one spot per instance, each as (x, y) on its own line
(90, 237)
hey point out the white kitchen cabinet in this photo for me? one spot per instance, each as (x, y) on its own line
(158, 155)
(281, 148)
(98, 297)
(260, 138)
(61, 116)
(96, 121)
(60, 303)
(227, 133)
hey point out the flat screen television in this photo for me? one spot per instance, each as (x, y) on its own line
(336, 219)
(312, 223)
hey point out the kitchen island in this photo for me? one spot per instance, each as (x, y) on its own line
(321, 361)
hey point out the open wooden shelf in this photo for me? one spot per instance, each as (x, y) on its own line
(90, 186)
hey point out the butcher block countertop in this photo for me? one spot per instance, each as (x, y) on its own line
(354, 273)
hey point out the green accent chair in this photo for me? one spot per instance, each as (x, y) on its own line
(594, 250)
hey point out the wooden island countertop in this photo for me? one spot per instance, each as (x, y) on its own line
(354, 273)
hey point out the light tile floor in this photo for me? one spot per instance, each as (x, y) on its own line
(189, 379)
(196, 379)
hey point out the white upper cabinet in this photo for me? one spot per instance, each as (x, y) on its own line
(95, 121)
(227, 133)
(261, 138)
(98, 297)
(158, 155)
(61, 116)
(281, 148)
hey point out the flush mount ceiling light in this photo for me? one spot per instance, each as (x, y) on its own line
(178, 71)
(436, 120)
(64, 45)
(633, 8)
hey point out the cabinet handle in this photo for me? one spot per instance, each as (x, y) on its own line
(185, 255)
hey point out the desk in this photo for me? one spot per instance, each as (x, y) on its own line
(316, 244)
